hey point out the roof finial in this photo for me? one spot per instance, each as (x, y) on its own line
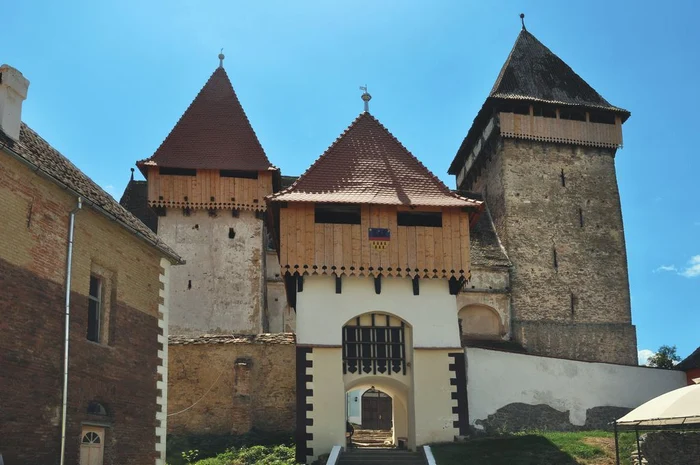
(132, 174)
(365, 97)
(221, 58)
(522, 19)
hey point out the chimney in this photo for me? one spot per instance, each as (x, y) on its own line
(13, 91)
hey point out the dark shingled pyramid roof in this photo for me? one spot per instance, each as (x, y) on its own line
(367, 164)
(135, 200)
(213, 133)
(534, 72)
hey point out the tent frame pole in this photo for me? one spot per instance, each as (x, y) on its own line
(639, 448)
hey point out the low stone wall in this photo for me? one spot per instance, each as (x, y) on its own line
(671, 448)
(224, 385)
(514, 392)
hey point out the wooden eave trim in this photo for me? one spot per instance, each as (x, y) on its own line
(209, 205)
(315, 270)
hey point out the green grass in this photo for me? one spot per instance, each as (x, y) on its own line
(535, 448)
(254, 455)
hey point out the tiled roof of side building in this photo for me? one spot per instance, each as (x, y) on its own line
(36, 152)
(213, 133)
(367, 164)
(485, 246)
(533, 73)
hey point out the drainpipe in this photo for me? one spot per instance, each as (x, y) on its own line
(69, 263)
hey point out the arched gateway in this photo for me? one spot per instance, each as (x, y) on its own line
(374, 249)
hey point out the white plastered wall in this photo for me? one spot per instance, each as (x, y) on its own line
(496, 379)
(220, 288)
(328, 400)
(162, 369)
(424, 394)
(433, 397)
(321, 313)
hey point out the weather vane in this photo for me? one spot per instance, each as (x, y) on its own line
(365, 97)
(221, 58)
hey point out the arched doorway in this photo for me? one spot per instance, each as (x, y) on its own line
(376, 410)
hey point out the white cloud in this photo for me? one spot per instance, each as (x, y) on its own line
(666, 268)
(693, 269)
(644, 355)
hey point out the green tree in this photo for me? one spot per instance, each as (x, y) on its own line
(664, 357)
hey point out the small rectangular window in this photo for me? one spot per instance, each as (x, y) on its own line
(600, 117)
(337, 214)
(177, 171)
(574, 115)
(544, 111)
(238, 174)
(430, 219)
(94, 309)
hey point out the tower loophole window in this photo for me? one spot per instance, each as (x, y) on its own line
(374, 346)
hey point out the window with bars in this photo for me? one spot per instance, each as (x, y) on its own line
(375, 348)
(94, 309)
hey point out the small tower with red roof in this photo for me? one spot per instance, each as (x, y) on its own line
(374, 249)
(207, 183)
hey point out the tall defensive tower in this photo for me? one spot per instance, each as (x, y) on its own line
(207, 183)
(542, 153)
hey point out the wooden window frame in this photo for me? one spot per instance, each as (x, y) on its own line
(96, 301)
(365, 352)
(103, 301)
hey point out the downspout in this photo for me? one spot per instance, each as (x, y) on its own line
(69, 266)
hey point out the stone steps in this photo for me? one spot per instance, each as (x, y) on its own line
(381, 456)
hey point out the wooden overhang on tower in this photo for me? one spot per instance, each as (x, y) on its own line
(537, 96)
(368, 207)
(212, 158)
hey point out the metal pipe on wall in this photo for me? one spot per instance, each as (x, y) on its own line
(69, 266)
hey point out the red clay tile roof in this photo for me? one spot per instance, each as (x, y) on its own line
(39, 154)
(367, 164)
(213, 133)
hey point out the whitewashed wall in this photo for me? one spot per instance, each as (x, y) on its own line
(496, 379)
(321, 313)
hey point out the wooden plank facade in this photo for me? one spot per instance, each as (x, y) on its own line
(308, 247)
(561, 130)
(208, 189)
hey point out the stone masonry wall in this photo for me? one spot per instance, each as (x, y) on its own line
(570, 289)
(120, 373)
(220, 288)
(248, 382)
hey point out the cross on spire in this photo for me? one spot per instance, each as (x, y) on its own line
(221, 58)
(522, 20)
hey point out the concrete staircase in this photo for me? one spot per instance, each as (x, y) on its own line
(381, 456)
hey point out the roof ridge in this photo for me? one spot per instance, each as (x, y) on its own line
(417, 160)
(237, 129)
(211, 76)
(315, 163)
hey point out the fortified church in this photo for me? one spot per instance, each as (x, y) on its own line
(387, 276)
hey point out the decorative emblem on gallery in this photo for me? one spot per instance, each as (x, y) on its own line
(379, 238)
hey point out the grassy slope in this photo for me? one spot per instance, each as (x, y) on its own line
(537, 448)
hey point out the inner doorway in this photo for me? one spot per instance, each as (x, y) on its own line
(92, 445)
(376, 410)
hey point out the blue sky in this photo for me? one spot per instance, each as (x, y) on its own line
(110, 79)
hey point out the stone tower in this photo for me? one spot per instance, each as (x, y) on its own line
(207, 183)
(541, 151)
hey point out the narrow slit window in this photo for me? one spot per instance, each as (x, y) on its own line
(414, 218)
(238, 174)
(94, 309)
(337, 214)
(177, 171)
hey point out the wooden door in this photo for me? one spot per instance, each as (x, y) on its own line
(92, 445)
(376, 410)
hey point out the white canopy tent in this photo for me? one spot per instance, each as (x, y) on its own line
(677, 409)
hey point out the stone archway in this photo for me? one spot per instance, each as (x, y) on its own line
(480, 322)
